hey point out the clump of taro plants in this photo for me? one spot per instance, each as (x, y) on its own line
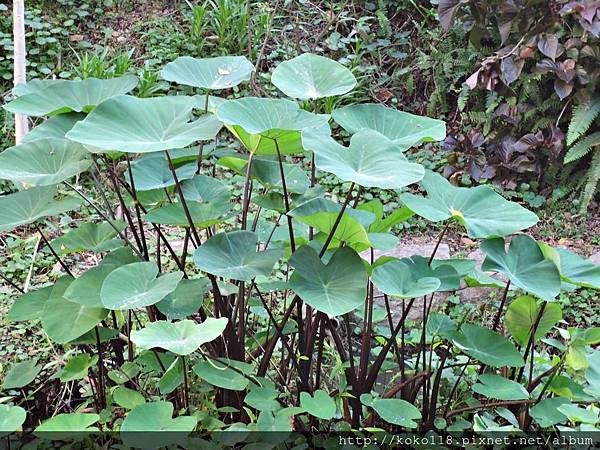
(212, 308)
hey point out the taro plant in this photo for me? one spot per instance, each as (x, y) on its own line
(269, 308)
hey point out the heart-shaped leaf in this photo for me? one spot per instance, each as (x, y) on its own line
(44, 162)
(152, 425)
(221, 72)
(182, 338)
(481, 210)
(153, 172)
(500, 388)
(185, 300)
(27, 206)
(573, 268)
(322, 213)
(172, 378)
(372, 160)
(135, 285)
(66, 96)
(393, 410)
(546, 413)
(261, 122)
(311, 76)
(142, 125)
(447, 271)
(220, 374)
(63, 425)
(21, 374)
(205, 189)
(95, 237)
(523, 264)
(30, 306)
(266, 172)
(77, 367)
(522, 314)
(86, 289)
(403, 129)
(487, 346)
(203, 215)
(11, 419)
(59, 311)
(233, 255)
(321, 405)
(334, 289)
(128, 398)
(400, 279)
(54, 127)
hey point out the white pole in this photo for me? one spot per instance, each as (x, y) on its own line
(21, 125)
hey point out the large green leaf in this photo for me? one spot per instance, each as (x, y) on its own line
(55, 127)
(221, 72)
(233, 255)
(128, 398)
(259, 122)
(142, 125)
(44, 162)
(481, 210)
(401, 279)
(266, 172)
(89, 236)
(487, 346)
(573, 268)
(393, 410)
(77, 367)
(523, 264)
(11, 419)
(67, 96)
(500, 388)
(404, 129)
(372, 160)
(21, 374)
(62, 426)
(205, 189)
(30, 306)
(86, 289)
(311, 76)
(203, 215)
(136, 285)
(322, 213)
(152, 425)
(182, 338)
(320, 405)
(185, 300)
(222, 373)
(335, 288)
(29, 205)
(58, 312)
(154, 173)
(522, 314)
(546, 413)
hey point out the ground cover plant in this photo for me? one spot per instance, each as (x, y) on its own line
(206, 310)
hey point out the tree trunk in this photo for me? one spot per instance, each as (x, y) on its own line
(21, 125)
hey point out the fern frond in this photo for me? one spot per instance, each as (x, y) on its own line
(583, 116)
(593, 176)
(583, 147)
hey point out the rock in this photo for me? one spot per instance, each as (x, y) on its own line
(478, 256)
(595, 258)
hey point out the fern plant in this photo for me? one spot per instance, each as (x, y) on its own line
(581, 144)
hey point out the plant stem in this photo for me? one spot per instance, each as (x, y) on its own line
(58, 258)
(530, 342)
(338, 219)
(13, 285)
(286, 199)
(186, 391)
(247, 191)
(99, 211)
(182, 199)
(136, 204)
(499, 313)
